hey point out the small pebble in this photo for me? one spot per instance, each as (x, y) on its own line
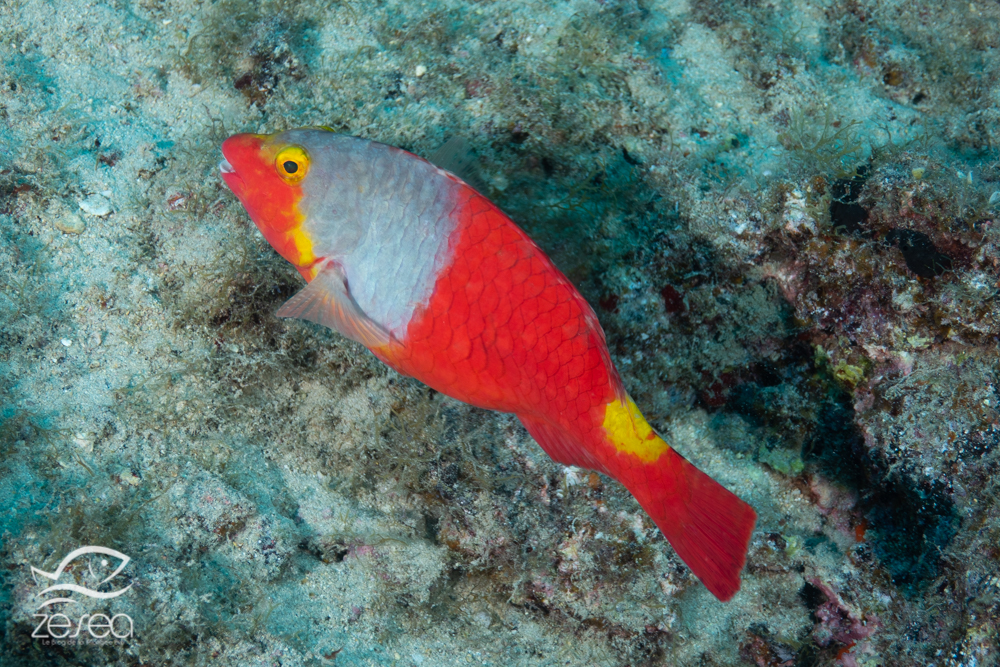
(593, 481)
(71, 224)
(421, 70)
(96, 205)
(66, 342)
(85, 439)
(130, 478)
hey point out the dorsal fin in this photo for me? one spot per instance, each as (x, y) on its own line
(327, 301)
(455, 155)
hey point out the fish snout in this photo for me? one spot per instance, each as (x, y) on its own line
(231, 178)
(243, 161)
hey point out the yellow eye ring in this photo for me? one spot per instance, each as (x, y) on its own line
(292, 164)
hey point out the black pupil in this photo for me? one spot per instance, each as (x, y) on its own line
(291, 167)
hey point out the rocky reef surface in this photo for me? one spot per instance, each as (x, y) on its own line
(784, 213)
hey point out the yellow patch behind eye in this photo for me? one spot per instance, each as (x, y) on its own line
(292, 164)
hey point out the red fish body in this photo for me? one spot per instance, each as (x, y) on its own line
(439, 284)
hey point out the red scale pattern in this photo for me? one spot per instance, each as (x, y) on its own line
(505, 330)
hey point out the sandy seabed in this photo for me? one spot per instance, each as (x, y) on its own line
(784, 213)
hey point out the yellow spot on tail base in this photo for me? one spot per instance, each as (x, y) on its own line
(630, 433)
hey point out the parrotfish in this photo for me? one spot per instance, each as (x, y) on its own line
(409, 260)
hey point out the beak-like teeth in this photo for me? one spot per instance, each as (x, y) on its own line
(226, 168)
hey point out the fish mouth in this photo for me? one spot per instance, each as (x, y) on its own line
(231, 178)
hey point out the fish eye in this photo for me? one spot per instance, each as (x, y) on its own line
(292, 163)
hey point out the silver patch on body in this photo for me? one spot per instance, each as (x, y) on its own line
(385, 215)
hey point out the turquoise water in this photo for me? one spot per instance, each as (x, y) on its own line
(783, 214)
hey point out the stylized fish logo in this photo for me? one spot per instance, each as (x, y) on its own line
(75, 588)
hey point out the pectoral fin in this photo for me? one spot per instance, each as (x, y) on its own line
(327, 300)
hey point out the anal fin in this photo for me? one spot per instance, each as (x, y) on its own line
(559, 445)
(327, 301)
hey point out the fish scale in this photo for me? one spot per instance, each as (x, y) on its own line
(439, 284)
(504, 329)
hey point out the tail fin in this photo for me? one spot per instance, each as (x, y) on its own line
(706, 524)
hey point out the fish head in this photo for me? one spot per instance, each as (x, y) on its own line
(267, 173)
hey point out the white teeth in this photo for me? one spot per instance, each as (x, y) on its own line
(226, 168)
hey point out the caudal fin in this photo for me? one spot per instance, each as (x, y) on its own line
(705, 523)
